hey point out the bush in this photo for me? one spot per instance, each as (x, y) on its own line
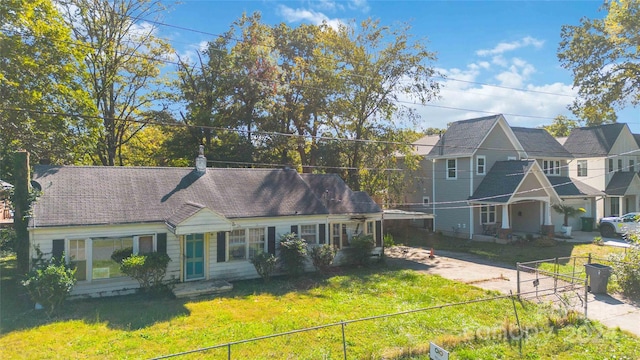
(265, 264)
(388, 240)
(322, 257)
(148, 269)
(361, 246)
(293, 254)
(50, 283)
(121, 254)
(7, 240)
(626, 268)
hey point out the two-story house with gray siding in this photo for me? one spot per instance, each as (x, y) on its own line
(606, 158)
(489, 178)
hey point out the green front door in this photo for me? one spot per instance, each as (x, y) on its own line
(194, 256)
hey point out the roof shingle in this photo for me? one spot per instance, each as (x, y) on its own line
(84, 195)
(593, 141)
(538, 143)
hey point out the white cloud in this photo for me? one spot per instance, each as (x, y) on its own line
(299, 15)
(361, 5)
(504, 47)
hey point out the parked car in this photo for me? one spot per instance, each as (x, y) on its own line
(619, 225)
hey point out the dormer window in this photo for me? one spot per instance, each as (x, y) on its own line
(582, 168)
(551, 167)
(481, 165)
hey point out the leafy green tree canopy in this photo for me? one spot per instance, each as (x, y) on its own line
(604, 56)
(561, 126)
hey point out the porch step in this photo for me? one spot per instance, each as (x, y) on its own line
(197, 288)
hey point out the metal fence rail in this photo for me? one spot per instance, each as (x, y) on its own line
(341, 325)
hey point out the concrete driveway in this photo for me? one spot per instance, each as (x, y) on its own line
(612, 311)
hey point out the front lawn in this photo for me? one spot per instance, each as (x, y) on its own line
(508, 254)
(135, 327)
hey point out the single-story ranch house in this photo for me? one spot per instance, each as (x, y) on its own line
(210, 221)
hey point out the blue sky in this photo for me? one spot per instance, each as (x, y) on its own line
(487, 49)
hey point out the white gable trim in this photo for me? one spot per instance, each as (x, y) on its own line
(536, 171)
(203, 221)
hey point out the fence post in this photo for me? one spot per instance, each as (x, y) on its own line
(573, 272)
(589, 259)
(344, 341)
(229, 352)
(518, 279)
(555, 276)
(586, 292)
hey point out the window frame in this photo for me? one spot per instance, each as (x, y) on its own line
(315, 233)
(250, 242)
(610, 165)
(582, 168)
(486, 211)
(551, 167)
(450, 169)
(620, 165)
(484, 164)
(232, 243)
(632, 165)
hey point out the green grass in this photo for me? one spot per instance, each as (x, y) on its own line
(137, 327)
(509, 254)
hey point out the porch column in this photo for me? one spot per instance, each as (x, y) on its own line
(547, 228)
(547, 213)
(505, 216)
(505, 229)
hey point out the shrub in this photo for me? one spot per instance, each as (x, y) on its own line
(265, 264)
(50, 283)
(388, 240)
(322, 257)
(7, 239)
(121, 254)
(148, 269)
(361, 246)
(626, 268)
(293, 254)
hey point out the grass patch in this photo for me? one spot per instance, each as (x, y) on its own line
(508, 254)
(136, 327)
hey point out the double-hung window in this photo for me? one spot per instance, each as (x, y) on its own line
(309, 233)
(481, 165)
(619, 165)
(487, 214)
(237, 245)
(610, 165)
(78, 257)
(632, 166)
(256, 241)
(452, 168)
(582, 167)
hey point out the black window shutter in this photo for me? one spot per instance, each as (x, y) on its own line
(222, 246)
(271, 240)
(378, 233)
(294, 229)
(57, 248)
(162, 243)
(323, 235)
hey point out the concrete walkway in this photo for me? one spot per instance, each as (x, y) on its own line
(612, 311)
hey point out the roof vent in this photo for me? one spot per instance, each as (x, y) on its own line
(201, 161)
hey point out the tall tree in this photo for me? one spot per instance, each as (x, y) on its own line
(561, 126)
(39, 84)
(124, 63)
(308, 82)
(381, 67)
(604, 58)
